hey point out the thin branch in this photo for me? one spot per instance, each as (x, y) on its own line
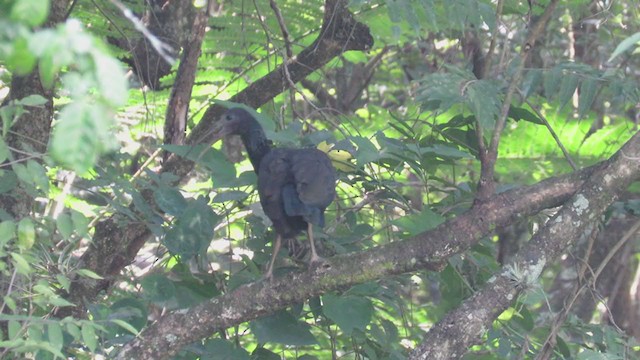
(163, 49)
(492, 44)
(554, 135)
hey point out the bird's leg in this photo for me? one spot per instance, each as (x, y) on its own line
(276, 249)
(314, 254)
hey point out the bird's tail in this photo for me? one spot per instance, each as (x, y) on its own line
(293, 206)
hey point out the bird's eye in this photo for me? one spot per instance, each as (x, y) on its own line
(228, 117)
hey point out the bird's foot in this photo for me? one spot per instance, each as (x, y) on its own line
(315, 259)
(317, 263)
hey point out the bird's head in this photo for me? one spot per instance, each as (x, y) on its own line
(236, 121)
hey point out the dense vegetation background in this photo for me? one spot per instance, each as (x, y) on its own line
(486, 209)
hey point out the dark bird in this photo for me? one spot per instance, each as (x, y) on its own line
(295, 185)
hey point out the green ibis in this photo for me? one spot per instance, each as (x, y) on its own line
(295, 185)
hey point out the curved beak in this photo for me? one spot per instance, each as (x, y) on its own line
(218, 131)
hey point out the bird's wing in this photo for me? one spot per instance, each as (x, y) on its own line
(314, 179)
(274, 173)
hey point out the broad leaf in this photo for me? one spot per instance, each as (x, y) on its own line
(282, 328)
(349, 312)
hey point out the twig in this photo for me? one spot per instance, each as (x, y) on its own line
(554, 135)
(163, 49)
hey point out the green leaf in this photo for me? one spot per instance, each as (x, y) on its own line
(441, 91)
(64, 225)
(8, 181)
(531, 82)
(7, 232)
(261, 353)
(4, 151)
(625, 45)
(567, 89)
(59, 301)
(446, 152)
(35, 332)
(348, 312)
(192, 231)
(80, 135)
(158, 288)
(125, 325)
(282, 328)
(588, 91)
(89, 274)
(33, 100)
(232, 195)
(31, 12)
(224, 350)
(415, 224)
(170, 200)
(367, 151)
(223, 172)
(131, 310)
(518, 113)
(89, 337)
(48, 69)
(73, 330)
(39, 175)
(80, 222)
(551, 81)
(26, 233)
(21, 264)
(54, 333)
(20, 60)
(111, 79)
(484, 101)
(14, 328)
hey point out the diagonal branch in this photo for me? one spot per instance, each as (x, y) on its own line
(428, 250)
(465, 326)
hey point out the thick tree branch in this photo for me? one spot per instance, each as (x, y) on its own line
(459, 329)
(428, 250)
(117, 240)
(175, 122)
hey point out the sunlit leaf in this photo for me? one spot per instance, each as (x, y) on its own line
(26, 233)
(625, 45)
(20, 59)
(588, 91)
(89, 337)
(224, 350)
(54, 333)
(349, 312)
(158, 288)
(282, 328)
(568, 87)
(415, 224)
(170, 200)
(192, 231)
(32, 12)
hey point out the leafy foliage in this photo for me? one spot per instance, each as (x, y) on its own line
(409, 143)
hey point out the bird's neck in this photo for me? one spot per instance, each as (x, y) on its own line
(257, 146)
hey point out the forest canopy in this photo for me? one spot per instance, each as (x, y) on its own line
(487, 159)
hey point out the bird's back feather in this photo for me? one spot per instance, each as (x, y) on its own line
(295, 187)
